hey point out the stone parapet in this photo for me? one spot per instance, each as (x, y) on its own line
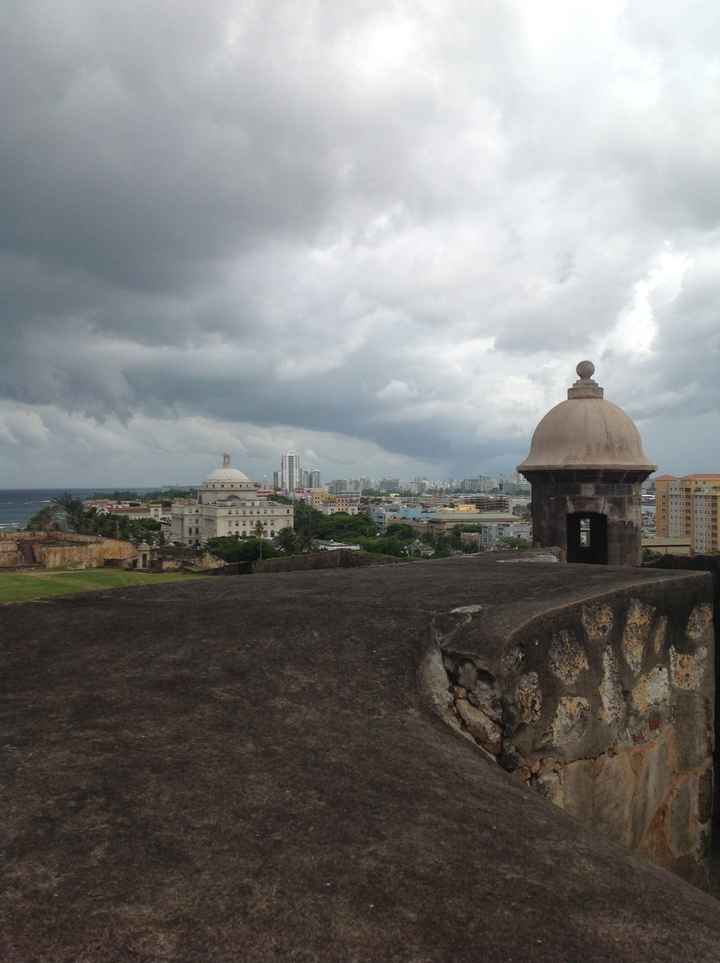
(605, 707)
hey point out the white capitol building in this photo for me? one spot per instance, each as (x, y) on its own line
(228, 503)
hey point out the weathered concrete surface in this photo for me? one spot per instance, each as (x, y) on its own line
(245, 769)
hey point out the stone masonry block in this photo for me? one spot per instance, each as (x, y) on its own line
(613, 795)
(653, 781)
(687, 669)
(571, 722)
(567, 658)
(700, 624)
(683, 834)
(637, 629)
(693, 724)
(611, 692)
(597, 621)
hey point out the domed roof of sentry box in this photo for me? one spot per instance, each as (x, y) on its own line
(586, 432)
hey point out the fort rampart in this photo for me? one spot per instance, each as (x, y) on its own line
(249, 765)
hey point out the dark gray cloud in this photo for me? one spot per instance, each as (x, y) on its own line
(382, 233)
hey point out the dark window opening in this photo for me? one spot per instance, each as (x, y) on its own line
(587, 539)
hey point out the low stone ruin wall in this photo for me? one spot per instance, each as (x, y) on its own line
(185, 561)
(56, 550)
(606, 708)
(10, 554)
(84, 555)
(312, 560)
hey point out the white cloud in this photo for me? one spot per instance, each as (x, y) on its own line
(381, 234)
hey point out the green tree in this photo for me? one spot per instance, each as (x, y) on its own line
(73, 508)
(443, 546)
(233, 549)
(287, 540)
(513, 542)
(145, 530)
(384, 546)
(405, 533)
(308, 520)
(40, 520)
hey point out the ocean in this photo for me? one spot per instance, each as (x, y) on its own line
(17, 505)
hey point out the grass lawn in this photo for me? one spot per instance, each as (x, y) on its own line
(25, 586)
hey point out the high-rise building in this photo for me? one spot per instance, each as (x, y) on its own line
(389, 484)
(276, 480)
(305, 474)
(290, 471)
(314, 478)
(689, 506)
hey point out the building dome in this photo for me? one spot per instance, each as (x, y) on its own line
(227, 477)
(586, 432)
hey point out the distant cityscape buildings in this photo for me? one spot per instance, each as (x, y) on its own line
(496, 507)
(679, 514)
(292, 480)
(688, 510)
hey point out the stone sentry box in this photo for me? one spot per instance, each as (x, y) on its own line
(606, 708)
(586, 464)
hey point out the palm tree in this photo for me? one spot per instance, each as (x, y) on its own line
(72, 508)
(304, 541)
(259, 534)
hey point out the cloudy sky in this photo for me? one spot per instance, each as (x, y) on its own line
(382, 233)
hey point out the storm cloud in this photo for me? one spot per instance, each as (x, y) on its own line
(382, 233)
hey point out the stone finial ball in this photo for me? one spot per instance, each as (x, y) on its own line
(585, 370)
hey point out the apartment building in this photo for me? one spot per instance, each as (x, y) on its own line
(689, 506)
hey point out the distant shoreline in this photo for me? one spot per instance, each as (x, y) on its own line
(18, 505)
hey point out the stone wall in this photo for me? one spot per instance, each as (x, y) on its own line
(312, 560)
(10, 556)
(53, 550)
(616, 495)
(172, 560)
(606, 708)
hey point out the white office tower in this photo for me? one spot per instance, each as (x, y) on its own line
(290, 471)
(314, 478)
